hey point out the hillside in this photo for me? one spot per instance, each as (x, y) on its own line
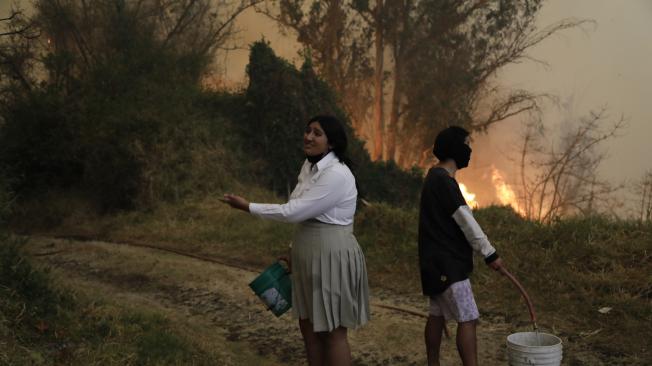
(571, 269)
(156, 176)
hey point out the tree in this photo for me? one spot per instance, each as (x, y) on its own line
(446, 55)
(193, 28)
(279, 101)
(16, 25)
(442, 57)
(561, 179)
(338, 43)
(104, 95)
(17, 33)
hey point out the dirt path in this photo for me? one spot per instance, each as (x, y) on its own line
(218, 296)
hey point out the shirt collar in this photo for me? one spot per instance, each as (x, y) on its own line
(325, 161)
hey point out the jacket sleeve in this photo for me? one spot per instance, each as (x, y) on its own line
(474, 234)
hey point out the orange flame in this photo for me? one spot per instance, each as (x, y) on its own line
(504, 192)
(468, 196)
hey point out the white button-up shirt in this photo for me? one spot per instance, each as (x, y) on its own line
(325, 191)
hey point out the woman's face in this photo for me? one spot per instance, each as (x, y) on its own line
(314, 140)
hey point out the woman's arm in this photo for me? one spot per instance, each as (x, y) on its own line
(236, 202)
(329, 189)
(323, 195)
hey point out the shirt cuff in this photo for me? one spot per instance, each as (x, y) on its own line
(255, 208)
(491, 257)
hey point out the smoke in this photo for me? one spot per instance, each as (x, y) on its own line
(493, 152)
(253, 27)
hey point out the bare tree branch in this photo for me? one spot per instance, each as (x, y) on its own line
(23, 30)
(567, 179)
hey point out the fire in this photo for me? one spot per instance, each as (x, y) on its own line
(468, 196)
(504, 192)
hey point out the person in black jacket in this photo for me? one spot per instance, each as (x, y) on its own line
(448, 236)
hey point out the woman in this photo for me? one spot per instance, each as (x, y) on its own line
(329, 277)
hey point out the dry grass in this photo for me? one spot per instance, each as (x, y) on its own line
(43, 322)
(571, 268)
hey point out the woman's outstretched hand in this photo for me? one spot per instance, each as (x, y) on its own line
(236, 202)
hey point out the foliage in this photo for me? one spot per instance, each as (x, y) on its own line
(443, 58)
(108, 107)
(561, 179)
(337, 43)
(130, 126)
(279, 102)
(6, 199)
(390, 254)
(385, 181)
(278, 106)
(40, 324)
(28, 284)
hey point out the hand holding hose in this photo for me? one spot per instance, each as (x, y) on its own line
(496, 265)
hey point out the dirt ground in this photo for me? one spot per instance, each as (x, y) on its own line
(215, 301)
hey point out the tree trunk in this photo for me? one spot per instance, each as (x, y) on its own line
(378, 84)
(392, 126)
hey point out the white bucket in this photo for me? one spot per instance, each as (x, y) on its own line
(530, 348)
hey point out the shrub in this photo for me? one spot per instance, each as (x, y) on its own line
(6, 199)
(25, 285)
(121, 126)
(279, 101)
(41, 324)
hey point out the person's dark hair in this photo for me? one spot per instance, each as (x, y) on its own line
(336, 136)
(448, 141)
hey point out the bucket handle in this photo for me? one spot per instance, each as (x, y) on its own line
(288, 263)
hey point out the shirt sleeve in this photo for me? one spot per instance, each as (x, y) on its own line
(326, 192)
(474, 234)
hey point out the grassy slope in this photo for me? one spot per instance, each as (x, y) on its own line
(571, 268)
(42, 323)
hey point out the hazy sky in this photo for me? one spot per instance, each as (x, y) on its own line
(608, 65)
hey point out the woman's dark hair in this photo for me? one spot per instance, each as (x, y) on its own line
(336, 136)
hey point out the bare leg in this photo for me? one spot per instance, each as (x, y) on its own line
(339, 353)
(433, 331)
(466, 343)
(314, 343)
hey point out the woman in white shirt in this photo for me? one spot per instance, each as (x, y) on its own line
(329, 277)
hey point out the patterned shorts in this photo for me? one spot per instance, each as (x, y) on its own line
(456, 302)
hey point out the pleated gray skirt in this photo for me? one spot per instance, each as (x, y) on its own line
(329, 277)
